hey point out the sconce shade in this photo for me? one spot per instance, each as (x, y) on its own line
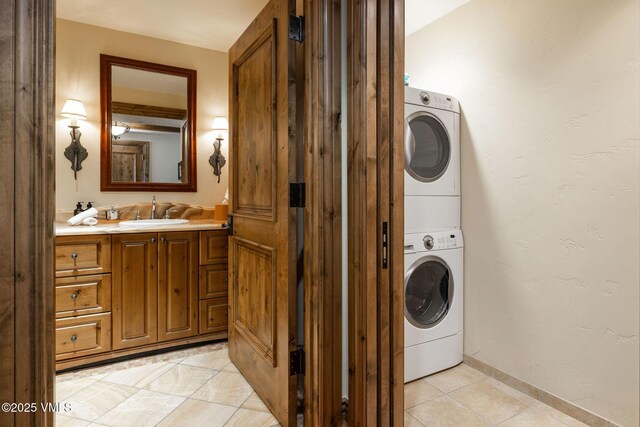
(73, 109)
(220, 123)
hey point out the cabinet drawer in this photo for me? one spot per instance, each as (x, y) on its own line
(78, 255)
(213, 281)
(214, 247)
(213, 315)
(82, 295)
(83, 335)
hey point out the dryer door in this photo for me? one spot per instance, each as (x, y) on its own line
(428, 292)
(427, 148)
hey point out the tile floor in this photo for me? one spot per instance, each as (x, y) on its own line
(194, 387)
(462, 396)
(202, 387)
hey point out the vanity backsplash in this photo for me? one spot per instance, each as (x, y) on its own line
(129, 211)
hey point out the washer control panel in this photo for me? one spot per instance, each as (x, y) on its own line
(433, 241)
(430, 99)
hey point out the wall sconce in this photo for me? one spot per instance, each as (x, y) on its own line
(217, 160)
(75, 152)
(119, 129)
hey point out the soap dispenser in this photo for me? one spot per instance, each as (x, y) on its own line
(78, 209)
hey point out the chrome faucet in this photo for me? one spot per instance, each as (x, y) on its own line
(153, 208)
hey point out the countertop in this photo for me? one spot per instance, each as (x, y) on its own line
(112, 227)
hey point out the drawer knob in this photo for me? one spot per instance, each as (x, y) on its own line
(163, 239)
(74, 257)
(153, 240)
(75, 295)
(74, 338)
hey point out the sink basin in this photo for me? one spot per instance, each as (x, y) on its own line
(153, 222)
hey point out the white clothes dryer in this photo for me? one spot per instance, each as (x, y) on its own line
(433, 302)
(431, 161)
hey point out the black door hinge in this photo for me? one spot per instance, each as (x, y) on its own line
(296, 362)
(296, 28)
(297, 194)
(229, 224)
(385, 245)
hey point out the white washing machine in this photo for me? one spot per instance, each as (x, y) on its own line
(433, 302)
(431, 161)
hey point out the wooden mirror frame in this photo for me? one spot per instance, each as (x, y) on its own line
(106, 182)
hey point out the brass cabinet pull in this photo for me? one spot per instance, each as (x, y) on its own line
(74, 338)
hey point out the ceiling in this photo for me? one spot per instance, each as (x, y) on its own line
(211, 24)
(420, 13)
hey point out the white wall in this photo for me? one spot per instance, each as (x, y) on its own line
(78, 49)
(550, 96)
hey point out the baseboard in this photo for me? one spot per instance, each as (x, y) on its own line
(545, 397)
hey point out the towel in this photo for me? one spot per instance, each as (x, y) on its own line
(82, 215)
(89, 221)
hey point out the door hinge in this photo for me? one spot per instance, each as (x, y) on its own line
(385, 245)
(297, 194)
(229, 224)
(296, 28)
(296, 362)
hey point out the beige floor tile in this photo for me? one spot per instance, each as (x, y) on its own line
(560, 416)
(419, 391)
(181, 380)
(65, 389)
(64, 421)
(446, 412)
(145, 408)
(97, 399)
(195, 413)
(512, 391)
(211, 360)
(139, 376)
(455, 378)
(247, 417)
(533, 417)
(410, 421)
(254, 403)
(226, 388)
(492, 403)
(231, 367)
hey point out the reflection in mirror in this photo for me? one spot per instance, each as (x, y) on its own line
(147, 126)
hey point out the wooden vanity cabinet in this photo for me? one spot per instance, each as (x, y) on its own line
(122, 294)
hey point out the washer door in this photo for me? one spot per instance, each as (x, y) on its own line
(428, 292)
(427, 148)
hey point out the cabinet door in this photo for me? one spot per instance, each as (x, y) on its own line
(135, 289)
(177, 285)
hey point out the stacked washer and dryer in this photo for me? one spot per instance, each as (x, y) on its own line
(433, 243)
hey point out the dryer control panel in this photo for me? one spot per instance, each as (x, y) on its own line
(433, 241)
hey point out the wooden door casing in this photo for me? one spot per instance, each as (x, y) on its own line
(135, 290)
(130, 162)
(177, 285)
(262, 247)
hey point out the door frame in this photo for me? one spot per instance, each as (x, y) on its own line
(376, 184)
(27, 197)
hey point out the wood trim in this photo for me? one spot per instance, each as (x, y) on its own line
(65, 365)
(148, 110)
(323, 215)
(106, 184)
(375, 98)
(27, 198)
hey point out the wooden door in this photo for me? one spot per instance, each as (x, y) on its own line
(262, 311)
(130, 161)
(177, 285)
(135, 289)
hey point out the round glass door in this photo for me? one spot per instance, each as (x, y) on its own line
(428, 292)
(426, 147)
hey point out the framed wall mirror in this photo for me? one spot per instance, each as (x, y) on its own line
(148, 122)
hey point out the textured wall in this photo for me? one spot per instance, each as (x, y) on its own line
(550, 188)
(78, 49)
